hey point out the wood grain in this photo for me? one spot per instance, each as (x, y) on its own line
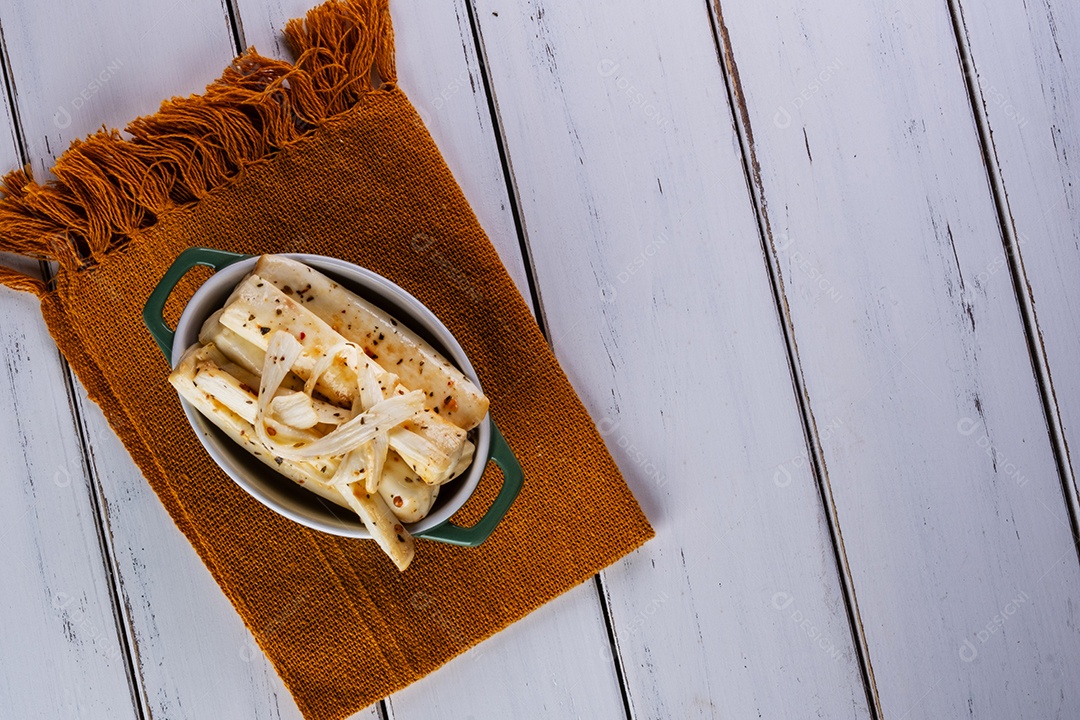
(882, 226)
(1023, 59)
(857, 386)
(63, 652)
(655, 290)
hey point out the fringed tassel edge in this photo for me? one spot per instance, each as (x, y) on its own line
(108, 188)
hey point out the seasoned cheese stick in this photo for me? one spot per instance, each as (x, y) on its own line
(243, 434)
(408, 497)
(394, 346)
(257, 310)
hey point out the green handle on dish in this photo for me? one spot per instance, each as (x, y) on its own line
(155, 305)
(512, 481)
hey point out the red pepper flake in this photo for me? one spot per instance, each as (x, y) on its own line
(278, 460)
(398, 502)
(303, 335)
(398, 528)
(271, 431)
(264, 330)
(287, 290)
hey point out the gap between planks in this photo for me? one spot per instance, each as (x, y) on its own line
(511, 184)
(755, 188)
(537, 300)
(1021, 287)
(236, 26)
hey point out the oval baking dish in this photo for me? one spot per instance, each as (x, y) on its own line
(276, 491)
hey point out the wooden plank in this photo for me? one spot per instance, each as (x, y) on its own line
(438, 70)
(63, 653)
(193, 656)
(9, 141)
(1024, 74)
(652, 276)
(543, 666)
(568, 665)
(912, 354)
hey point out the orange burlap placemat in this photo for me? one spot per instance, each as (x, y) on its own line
(319, 157)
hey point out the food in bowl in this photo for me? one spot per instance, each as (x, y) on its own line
(334, 394)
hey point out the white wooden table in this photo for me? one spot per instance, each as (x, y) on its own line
(814, 268)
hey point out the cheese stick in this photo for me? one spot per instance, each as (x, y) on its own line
(397, 348)
(257, 310)
(243, 433)
(385, 528)
(430, 445)
(407, 496)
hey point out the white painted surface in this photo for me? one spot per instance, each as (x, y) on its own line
(62, 653)
(651, 275)
(875, 188)
(643, 234)
(1025, 58)
(554, 663)
(78, 66)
